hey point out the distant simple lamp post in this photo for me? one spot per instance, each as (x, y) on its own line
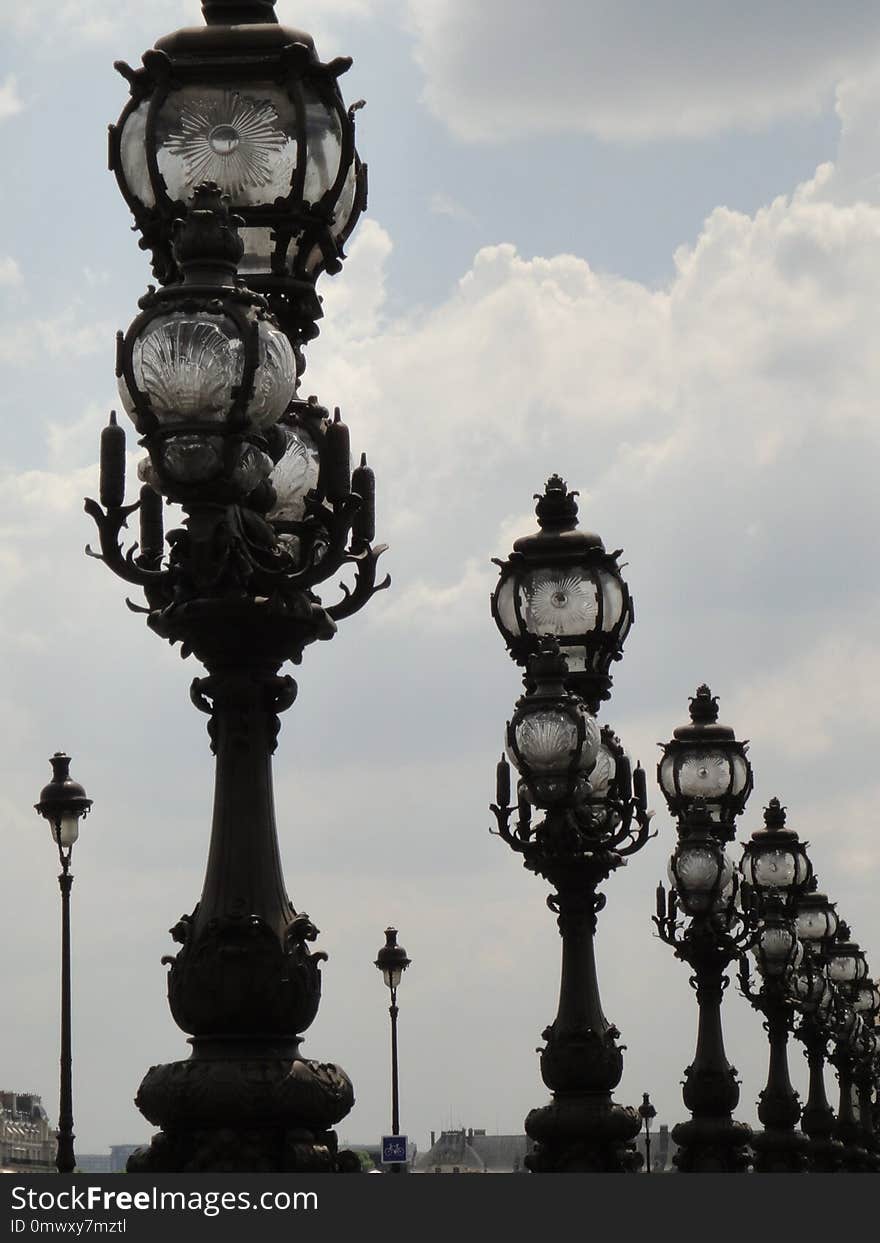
(62, 803)
(392, 961)
(646, 1113)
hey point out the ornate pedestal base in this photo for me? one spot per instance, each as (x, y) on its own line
(583, 1134)
(243, 1115)
(712, 1146)
(780, 1152)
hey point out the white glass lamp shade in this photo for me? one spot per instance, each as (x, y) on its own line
(709, 773)
(603, 772)
(867, 998)
(65, 831)
(295, 474)
(244, 139)
(778, 949)
(189, 367)
(816, 923)
(559, 602)
(842, 969)
(392, 977)
(547, 741)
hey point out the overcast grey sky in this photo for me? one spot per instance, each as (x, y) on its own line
(635, 244)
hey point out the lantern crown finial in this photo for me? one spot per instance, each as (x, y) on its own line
(238, 12)
(556, 509)
(774, 815)
(206, 241)
(704, 706)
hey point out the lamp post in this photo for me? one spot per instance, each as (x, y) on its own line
(777, 871)
(392, 962)
(62, 803)
(564, 610)
(706, 780)
(848, 969)
(236, 156)
(646, 1112)
(816, 924)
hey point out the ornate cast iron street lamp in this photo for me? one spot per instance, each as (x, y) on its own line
(561, 581)
(848, 968)
(392, 961)
(816, 923)
(63, 803)
(560, 596)
(777, 871)
(706, 779)
(248, 104)
(209, 373)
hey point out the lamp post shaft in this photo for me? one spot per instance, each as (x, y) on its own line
(817, 1119)
(582, 1129)
(65, 1159)
(711, 1141)
(395, 1090)
(779, 1148)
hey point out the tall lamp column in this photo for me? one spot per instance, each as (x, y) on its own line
(62, 803)
(706, 779)
(392, 961)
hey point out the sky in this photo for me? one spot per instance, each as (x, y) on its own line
(635, 245)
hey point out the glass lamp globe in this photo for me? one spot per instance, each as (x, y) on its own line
(561, 581)
(778, 950)
(816, 917)
(705, 762)
(775, 860)
(392, 960)
(551, 739)
(246, 103)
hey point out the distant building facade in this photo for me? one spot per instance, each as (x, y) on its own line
(28, 1142)
(472, 1151)
(112, 1162)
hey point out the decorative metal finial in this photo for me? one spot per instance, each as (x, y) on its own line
(206, 240)
(556, 509)
(704, 706)
(238, 12)
(774, 815)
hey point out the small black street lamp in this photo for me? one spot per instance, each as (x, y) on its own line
(646, 1113)
(392, 962)
(62, 803)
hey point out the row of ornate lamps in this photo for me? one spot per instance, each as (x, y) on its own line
(236, 155)
(564, 612)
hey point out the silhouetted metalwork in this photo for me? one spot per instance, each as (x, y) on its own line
(63, 802)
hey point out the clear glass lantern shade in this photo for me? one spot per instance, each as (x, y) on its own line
(189, 366)
(559, 602)
(323, 146)
(778, 868)
(867, 999)
(66, 832)
(705, 774)
(547, 740)
(694, 870)
(242, 139)
(259, 246)
(778, 949)
(603, 772)
(843, 968)
(294, 475)
(275, 377)
(190, 459)
(133, 143)
(816, 924)
(392, 977)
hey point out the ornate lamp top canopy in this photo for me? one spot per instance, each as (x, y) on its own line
(561, 581)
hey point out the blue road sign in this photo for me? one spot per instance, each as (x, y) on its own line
(393, 1149)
